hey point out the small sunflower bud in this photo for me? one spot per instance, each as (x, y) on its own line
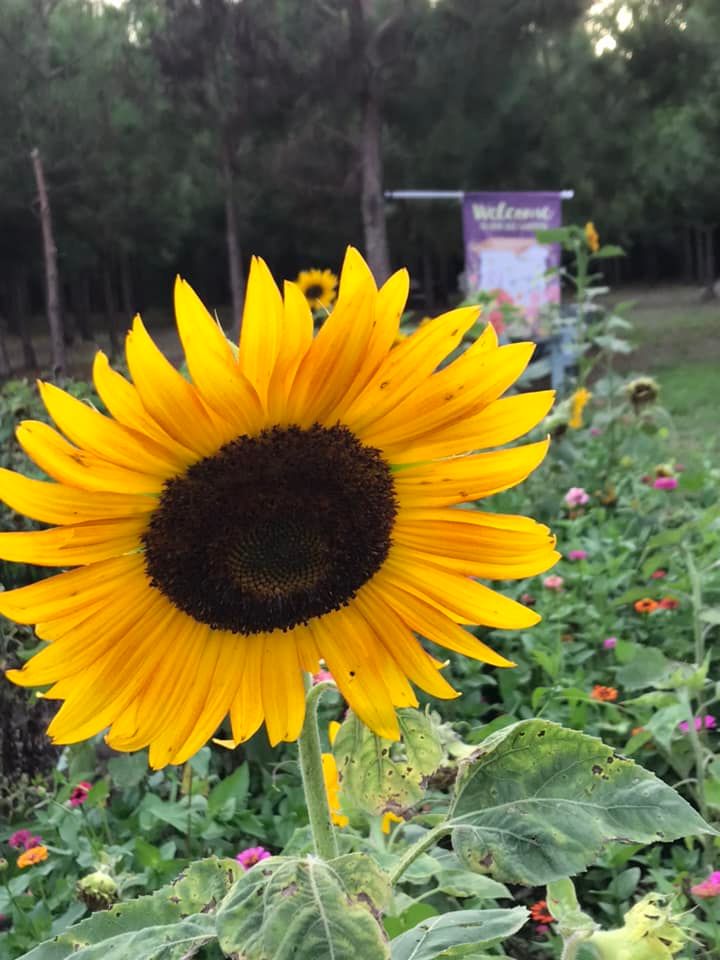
(642, 392)
(3, 864)
(98, 891)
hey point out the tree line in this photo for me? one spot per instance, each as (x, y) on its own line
(145, 137)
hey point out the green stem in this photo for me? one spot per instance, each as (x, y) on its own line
(411, 855)
(323, 832)
(697, 605)
(572, 945)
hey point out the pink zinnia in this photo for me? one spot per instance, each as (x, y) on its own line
(609, 643)
(25, 839)
(248, 858)
(553, 582)
(577, 555)
(658, 574)
(709, 887)
(595, 432)
(577, 497)
(665, 483)
(708, 722)
(80, 793)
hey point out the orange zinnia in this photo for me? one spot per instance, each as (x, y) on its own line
(604, 693)
(32, 856)
(646, 605)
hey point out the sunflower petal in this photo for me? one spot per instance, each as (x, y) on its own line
(261, 328)
(73, 545)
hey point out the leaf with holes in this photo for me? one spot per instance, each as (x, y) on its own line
(168, 924)
(538, 802)
(376, 774)
(303, 909)
(436, 937)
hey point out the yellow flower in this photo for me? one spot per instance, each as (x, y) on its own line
(388, 819)
(578, 401)
(591, 237)
(651, 932)
(319, 287)
(297, 499)
(332, 780)
(32, 856)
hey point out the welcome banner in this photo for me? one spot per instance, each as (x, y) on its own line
(501, 252)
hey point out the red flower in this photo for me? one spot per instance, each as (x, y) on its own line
(606, 694)
(658, 574)
(669, 603)
(80, 793)
(539, 912)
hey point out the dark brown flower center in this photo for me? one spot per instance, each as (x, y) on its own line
(272, 530)
(316, 291)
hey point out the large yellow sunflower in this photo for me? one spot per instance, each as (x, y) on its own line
(297, 500)
(319, 287)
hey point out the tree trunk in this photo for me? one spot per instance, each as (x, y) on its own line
(373, 199)
(110, 310)
(20, 323)
(235, 269)
(363, 56)
(686, 234)
(57, 340)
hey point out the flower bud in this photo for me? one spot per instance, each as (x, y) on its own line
(98, 891)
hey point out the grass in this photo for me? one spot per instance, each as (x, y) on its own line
(677, 341)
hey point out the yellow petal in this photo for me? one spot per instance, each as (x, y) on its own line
(500, 422)
(169, 398)
(297, 336)
(212, 365)
(461, 598)
(106, 438)
(447, 482)
(73, 545)
(55, 503)
(78, 468)
(261, 328)
(407, 365)
(283, 692)
(60, 595)
(246, 711)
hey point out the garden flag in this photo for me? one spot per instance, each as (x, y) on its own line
(501, 252)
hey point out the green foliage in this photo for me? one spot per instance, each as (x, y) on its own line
(306, 909)
(377, 775)
(167, 924)
(435, 938)
(539, 803)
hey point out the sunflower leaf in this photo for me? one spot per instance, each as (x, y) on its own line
(378, 775)
(436, 937)
(538, 802)
(168, 924)
(305, 909)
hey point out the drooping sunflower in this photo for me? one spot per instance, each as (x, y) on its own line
(295, 500)
(319, 287)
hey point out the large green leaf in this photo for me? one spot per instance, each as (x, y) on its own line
(376, 774)
(539, 801)
(432, 938)
(163, 926)
(306, 909)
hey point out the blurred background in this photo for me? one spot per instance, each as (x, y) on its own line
(163, 136)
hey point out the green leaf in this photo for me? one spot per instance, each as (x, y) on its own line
(540, 801)
(463, 883)
(165, 925)
(377, 774)
(304, 909)
(608, 250)
(232, 788)
(648, 666)
(431, 938)
(710, 615)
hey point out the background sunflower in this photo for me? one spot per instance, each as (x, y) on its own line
(319, 286)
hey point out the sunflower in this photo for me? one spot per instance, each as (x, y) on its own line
(591, 237)
(319, 287)
(578, 402)
(296, 500)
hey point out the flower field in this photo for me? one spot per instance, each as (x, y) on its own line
(537, 778)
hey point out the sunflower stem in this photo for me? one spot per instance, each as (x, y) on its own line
(412, 853)
(310, 752)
